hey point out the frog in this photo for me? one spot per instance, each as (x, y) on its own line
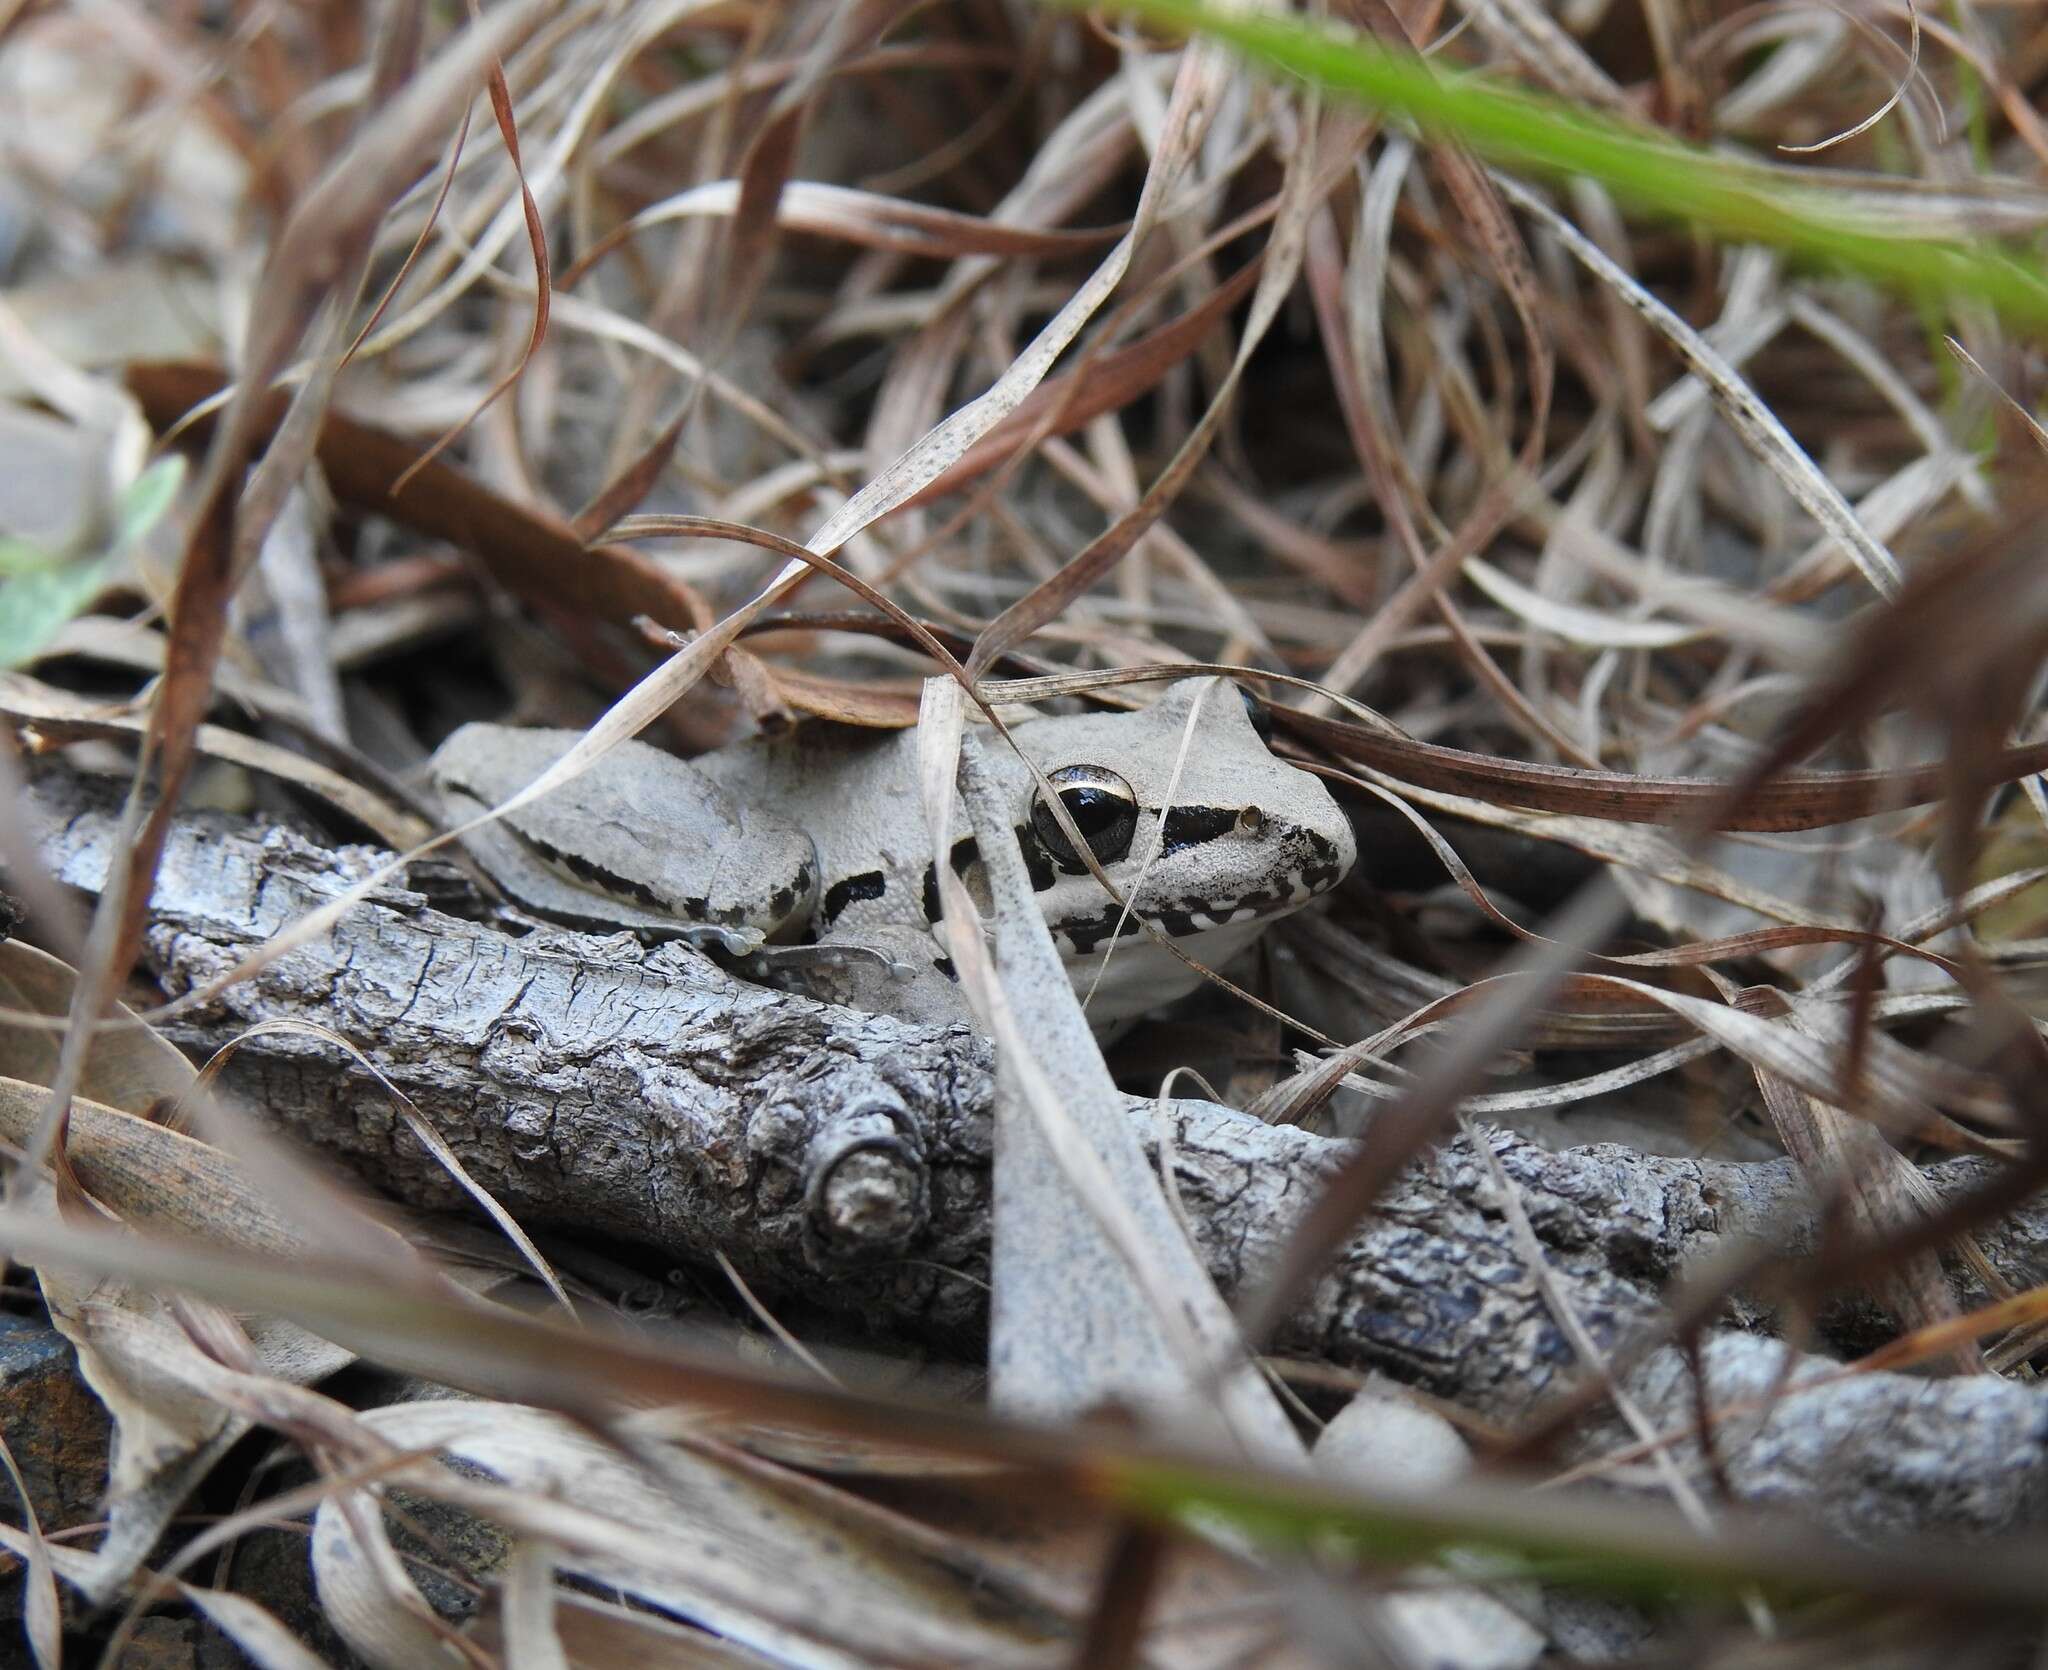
(803, 856)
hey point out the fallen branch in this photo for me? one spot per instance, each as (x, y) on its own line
(650, 1096)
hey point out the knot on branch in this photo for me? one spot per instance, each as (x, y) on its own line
(867, 1192)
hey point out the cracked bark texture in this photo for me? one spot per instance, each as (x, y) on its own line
(594, 1085)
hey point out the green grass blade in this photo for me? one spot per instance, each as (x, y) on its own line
(41, 590)
(1730, 199)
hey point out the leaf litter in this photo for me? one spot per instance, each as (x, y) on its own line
(1563, 542)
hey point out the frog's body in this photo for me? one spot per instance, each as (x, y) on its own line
(819, 836)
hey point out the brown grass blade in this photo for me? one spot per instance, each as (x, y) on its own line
(537, 243)
(533, 555)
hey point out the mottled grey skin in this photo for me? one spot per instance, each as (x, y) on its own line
(829, 821)
(640, 840)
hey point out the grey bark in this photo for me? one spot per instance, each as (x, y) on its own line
(592, 1084)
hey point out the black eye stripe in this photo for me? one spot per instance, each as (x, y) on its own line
(1190, 826)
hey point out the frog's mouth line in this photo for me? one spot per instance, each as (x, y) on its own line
(1320, 868)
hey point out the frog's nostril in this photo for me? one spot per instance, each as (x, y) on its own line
(1251, 820)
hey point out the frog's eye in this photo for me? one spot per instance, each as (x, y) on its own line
(1103, 808)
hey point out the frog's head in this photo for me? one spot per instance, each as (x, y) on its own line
(1246, 837)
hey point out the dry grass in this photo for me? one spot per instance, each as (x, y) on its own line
(1578, 540)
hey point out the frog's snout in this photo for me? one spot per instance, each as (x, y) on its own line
(1326, 859)
(1308, 842)
(1303, 861)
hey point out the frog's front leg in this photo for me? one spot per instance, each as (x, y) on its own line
(640, 840)
(886, 970)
